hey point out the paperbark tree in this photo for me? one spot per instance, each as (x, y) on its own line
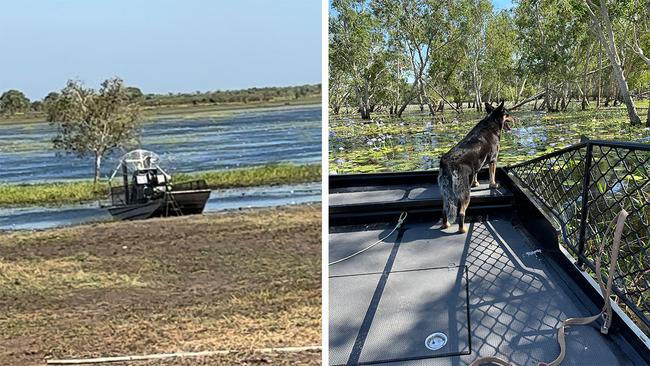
(602, 28)
(636, 47)
(357, 46)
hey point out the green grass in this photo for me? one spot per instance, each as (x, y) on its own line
(83, 191)
(257, 176)
(50, 193)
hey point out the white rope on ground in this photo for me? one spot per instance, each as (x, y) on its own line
(402, 217)
(159, 356)
(605, 289)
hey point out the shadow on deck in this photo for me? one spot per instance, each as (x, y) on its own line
(501, 289)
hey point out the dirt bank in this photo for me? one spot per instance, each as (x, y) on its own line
(240, 280)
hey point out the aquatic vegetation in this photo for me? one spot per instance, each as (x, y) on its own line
(417, 141)
(257, 176)
(83, 191)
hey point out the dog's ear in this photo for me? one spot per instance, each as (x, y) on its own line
(488, 108)
(500, 107)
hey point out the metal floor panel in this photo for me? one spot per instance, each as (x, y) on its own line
(517, 299)
(347, 243)
(349, 298)
(389, 319)
(424, 245)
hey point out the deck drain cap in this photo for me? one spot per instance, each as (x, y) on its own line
(435, 341)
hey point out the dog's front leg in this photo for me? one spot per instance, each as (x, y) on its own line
(493, 173)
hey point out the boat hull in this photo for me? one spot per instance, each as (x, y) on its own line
(136, 211)
(187, 203)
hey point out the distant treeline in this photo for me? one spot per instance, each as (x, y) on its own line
(251, 95)
(14, 101)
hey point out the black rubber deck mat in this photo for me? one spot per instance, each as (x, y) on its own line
(381, 317)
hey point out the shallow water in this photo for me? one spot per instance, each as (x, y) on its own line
(247, 138)
(416, 142)
(36, 217)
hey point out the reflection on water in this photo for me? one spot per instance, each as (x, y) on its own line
(417, 142)
(35, 218)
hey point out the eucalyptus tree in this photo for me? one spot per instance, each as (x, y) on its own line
(340, 83)
(93, 122)
(550, 35)
(640, 40)
(419, 28)
(499, 69)
(472, 19)
(358, 45)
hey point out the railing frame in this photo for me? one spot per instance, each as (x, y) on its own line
(582, 261)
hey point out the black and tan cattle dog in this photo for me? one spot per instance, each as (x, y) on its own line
(459, 166)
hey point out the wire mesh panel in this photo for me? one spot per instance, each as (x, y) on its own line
(118, 196)
(190, 186)
(584, 187)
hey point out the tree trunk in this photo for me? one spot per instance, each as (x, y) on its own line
(600, 75)
(365, 112)
(401, 109)
(98, 164)
(364, 101)
(605, 34)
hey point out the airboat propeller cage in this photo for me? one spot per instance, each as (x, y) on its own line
(139, 159)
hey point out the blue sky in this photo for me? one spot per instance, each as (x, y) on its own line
(502, 4)
(159, 45)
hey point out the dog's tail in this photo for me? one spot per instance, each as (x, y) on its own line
(448, 182)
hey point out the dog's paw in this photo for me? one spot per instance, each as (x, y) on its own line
(445, 225)
(494, 186)
(475, 184)
(462, 230)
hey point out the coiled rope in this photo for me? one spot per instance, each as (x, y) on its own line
(402, 217)
(606, 290)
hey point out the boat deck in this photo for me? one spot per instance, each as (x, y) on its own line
(493, 291)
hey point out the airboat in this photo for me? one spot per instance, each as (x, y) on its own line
(148, 191)
(403, 290)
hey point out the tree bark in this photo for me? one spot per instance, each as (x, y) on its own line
(606, 37)
(600, 77)
(98, 164)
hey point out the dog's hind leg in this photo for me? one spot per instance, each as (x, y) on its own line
(463, 194)
(493, 173)
(462, 206)
(445, 221)
(475, 181)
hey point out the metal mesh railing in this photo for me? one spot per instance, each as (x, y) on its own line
(118, 196)
(190, 186)
(584, 187)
